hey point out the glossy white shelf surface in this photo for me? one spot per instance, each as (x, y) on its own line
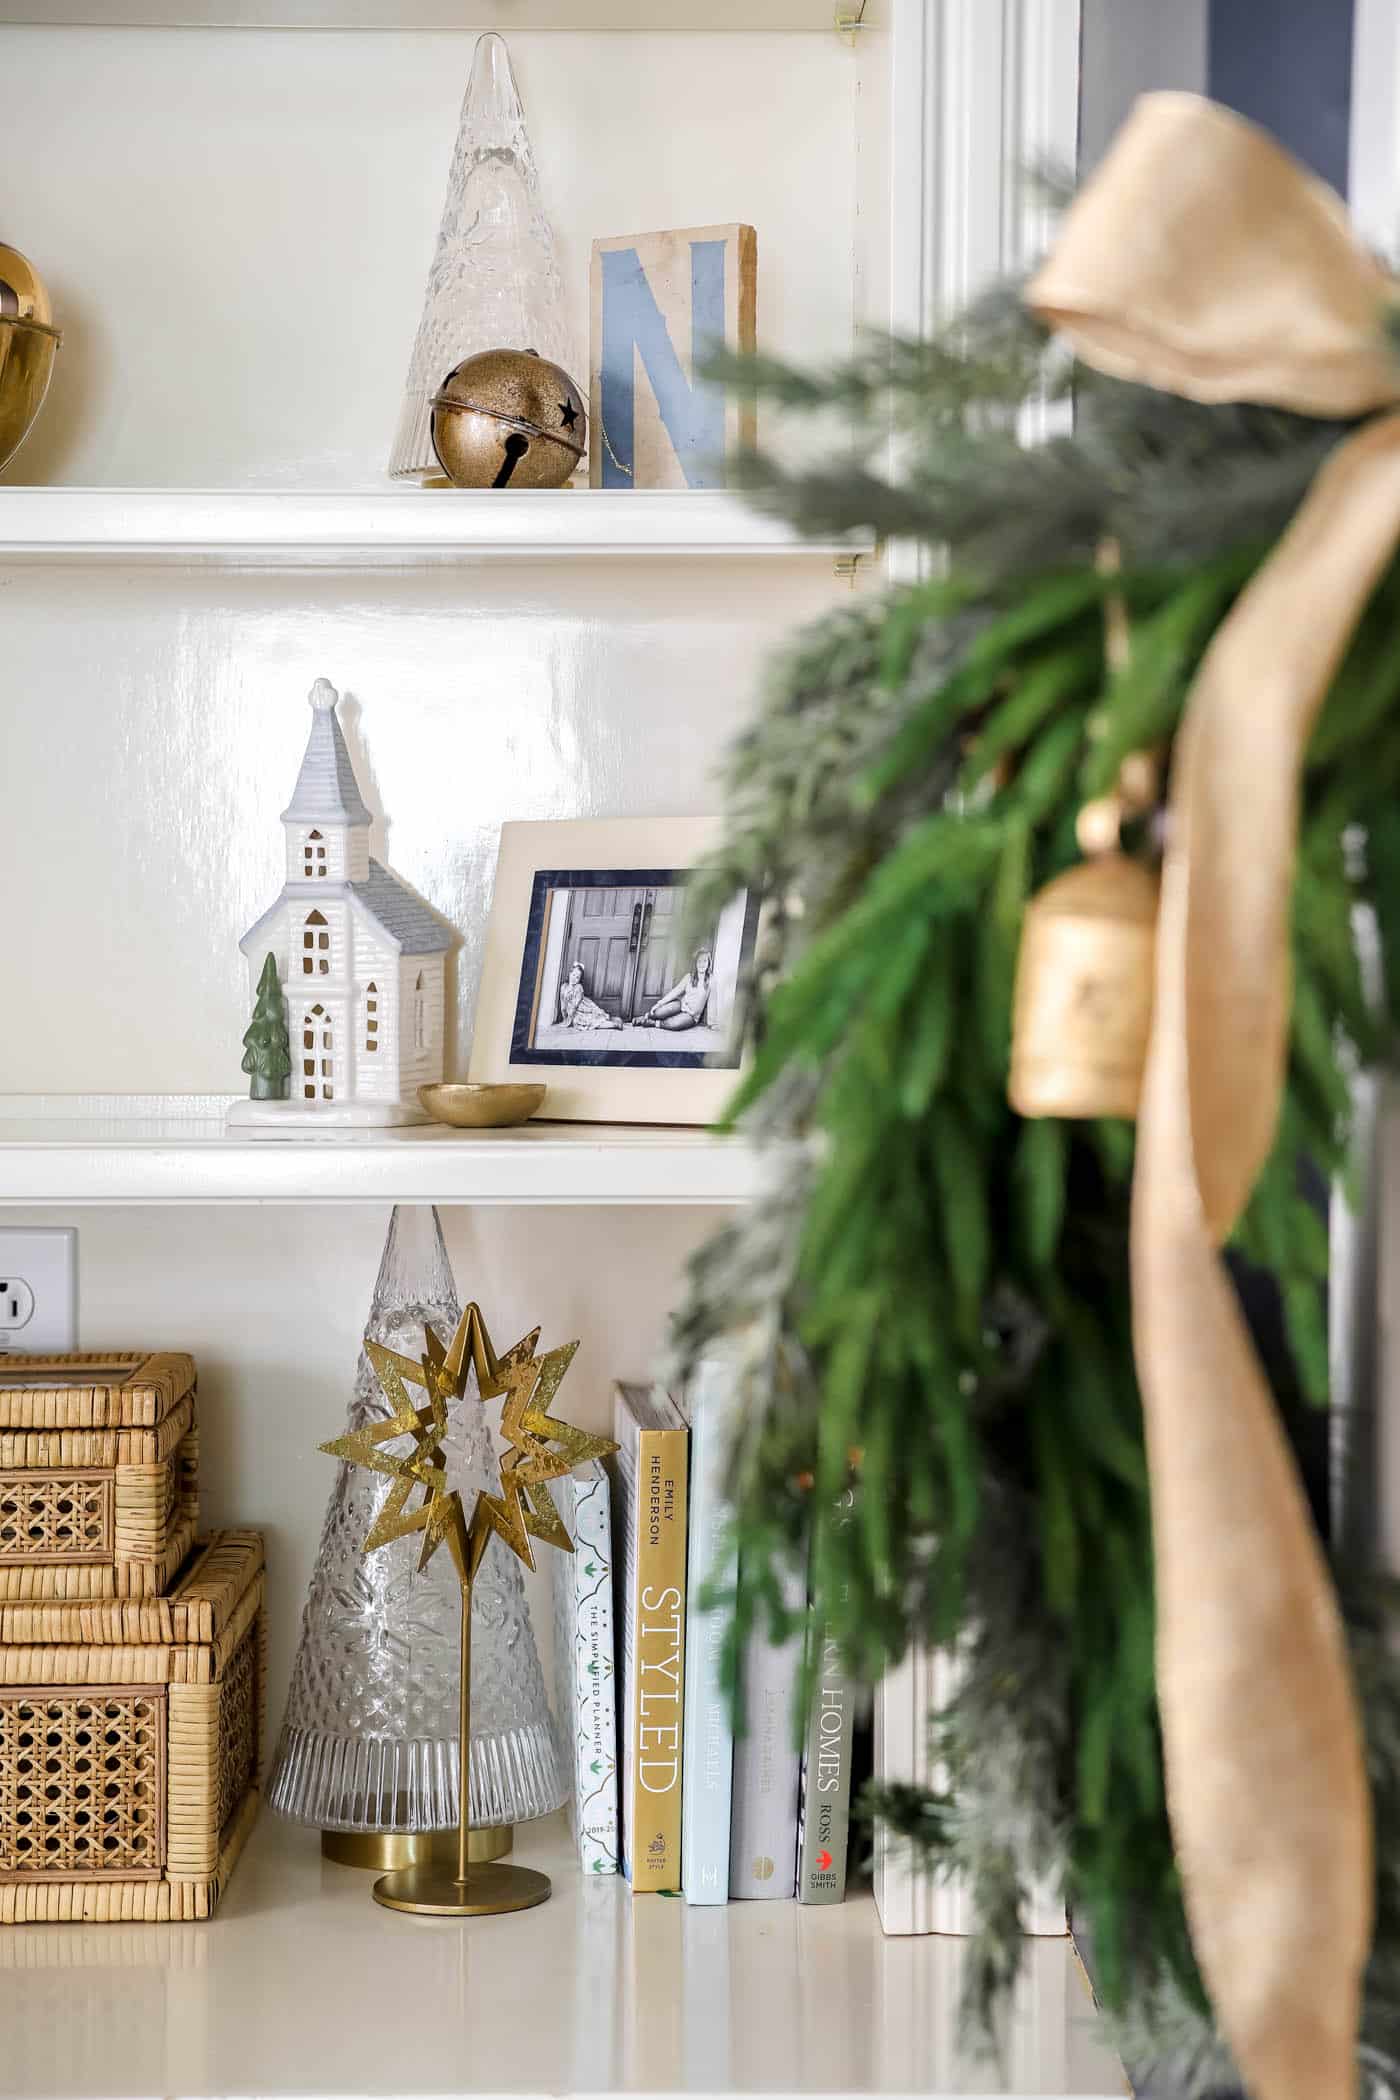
(174, 1149)
(440, 14)
(390, 527)
(302, 1984)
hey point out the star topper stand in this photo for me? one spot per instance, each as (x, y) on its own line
(540, 1449)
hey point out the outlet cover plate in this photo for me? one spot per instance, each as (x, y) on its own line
(45, 1257)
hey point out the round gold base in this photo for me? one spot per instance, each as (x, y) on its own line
(388, 1851)
(432, 1890)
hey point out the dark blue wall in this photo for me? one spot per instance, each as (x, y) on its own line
(1287, 64)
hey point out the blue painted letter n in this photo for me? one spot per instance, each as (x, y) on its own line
(693, 414)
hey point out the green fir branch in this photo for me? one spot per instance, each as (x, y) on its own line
(930, 1306)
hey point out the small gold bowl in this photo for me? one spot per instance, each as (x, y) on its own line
(481, 1107)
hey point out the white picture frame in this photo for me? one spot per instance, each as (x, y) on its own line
(591, 983)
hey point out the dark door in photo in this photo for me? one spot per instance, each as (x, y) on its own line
(604, 934)
(658, 963)
(625, 940)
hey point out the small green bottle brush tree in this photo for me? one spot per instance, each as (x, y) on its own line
(267, 1056)
(931, 1305)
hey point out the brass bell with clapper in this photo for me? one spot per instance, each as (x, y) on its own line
(1082, 1010)
(1083, 1003)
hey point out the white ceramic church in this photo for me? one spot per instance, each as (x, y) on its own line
(361, 960)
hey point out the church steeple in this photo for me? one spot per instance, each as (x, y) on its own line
(326, 820)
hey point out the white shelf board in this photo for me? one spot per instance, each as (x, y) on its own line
(391, 527)
(727, 15)
(302, 1985)
(91, 1149)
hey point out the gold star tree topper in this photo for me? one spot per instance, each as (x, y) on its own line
(539, 1447)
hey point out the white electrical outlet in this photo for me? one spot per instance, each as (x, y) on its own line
(39, 1290)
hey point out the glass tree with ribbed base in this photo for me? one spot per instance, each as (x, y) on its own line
(495, 282)
(369, 1744)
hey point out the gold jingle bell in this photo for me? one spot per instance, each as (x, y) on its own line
(1084, 980)
(28, 345)
(508, 419)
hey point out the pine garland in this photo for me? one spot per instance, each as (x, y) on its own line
(931, 1304)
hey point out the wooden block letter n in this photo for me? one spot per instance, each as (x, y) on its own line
(661, 302)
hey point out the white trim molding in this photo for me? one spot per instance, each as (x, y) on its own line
(906, 1700)
(984, 91)
(1373, 174)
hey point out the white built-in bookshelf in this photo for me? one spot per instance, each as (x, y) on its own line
(234, 203)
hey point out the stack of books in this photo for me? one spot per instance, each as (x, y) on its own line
(664, 1792)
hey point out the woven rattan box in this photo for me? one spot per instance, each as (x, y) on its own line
(99, 1474)
(130, 1735)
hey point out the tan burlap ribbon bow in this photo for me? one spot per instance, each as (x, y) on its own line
(1202, 260)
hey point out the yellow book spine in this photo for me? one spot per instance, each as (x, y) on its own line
(658, 1677)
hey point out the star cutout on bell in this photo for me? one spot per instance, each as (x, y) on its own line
(568, 414)
(540, 1448)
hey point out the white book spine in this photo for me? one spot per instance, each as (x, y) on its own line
(768, 1760)
(707, 1782)
(910, 1901)
(584, 1665)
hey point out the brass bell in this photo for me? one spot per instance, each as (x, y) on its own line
(1083, 1002)
(28, 345)
(508, 419)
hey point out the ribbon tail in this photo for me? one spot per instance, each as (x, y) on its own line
(1266, 1776)
(1266, 1784)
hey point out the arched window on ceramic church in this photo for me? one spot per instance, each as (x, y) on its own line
(318, 1056)
(315, 946)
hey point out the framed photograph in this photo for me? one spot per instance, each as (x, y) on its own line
(596, 982)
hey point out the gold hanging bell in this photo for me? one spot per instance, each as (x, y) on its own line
(1084, 978)
(1082, 1008)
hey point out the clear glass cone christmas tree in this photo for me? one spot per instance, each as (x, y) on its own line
(495, 282)
(369, 1743)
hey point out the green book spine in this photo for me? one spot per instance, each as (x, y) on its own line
(826, 1783)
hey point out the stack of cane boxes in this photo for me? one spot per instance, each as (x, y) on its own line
(132, 1654)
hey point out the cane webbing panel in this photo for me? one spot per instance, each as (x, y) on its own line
(56, 1517)
(36, 1899)
(82, 1782)
(154, 1515)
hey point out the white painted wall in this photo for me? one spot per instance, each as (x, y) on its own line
(237, 225)
(156, 719)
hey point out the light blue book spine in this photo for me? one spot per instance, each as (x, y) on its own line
(707, 1772)
(767, 1762)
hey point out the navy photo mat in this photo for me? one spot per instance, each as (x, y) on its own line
(548, 879)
